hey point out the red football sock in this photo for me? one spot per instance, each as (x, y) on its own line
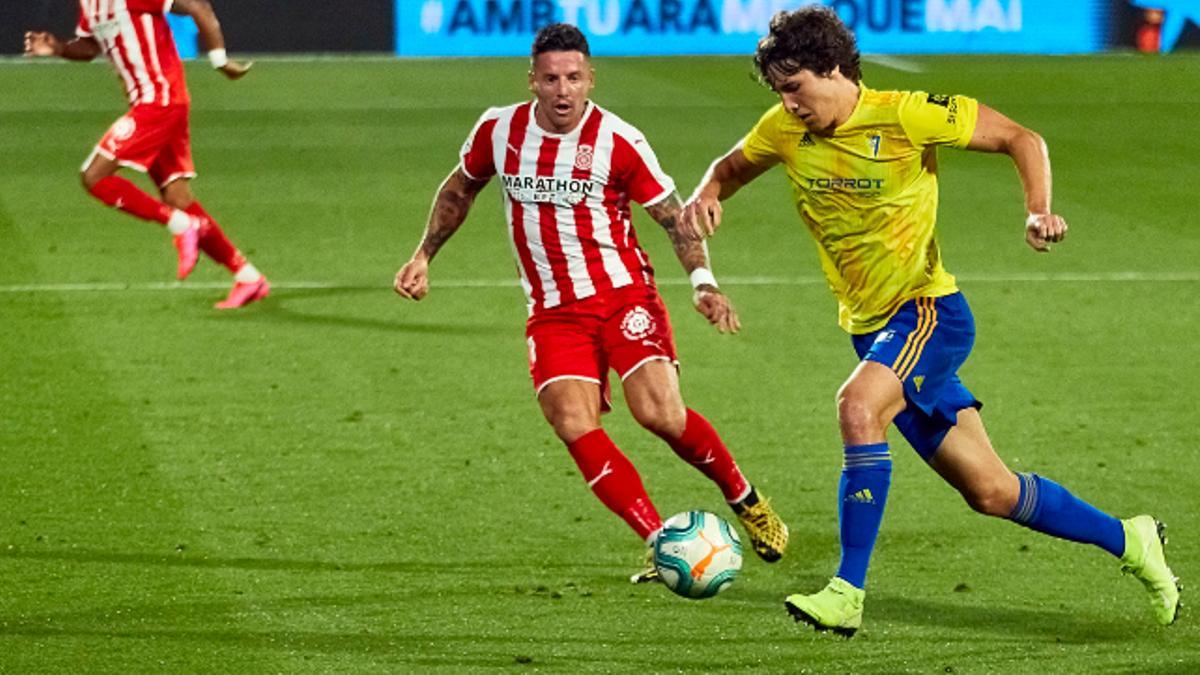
(615, 481)
(124, 195)
(214, 242)
(701, 447)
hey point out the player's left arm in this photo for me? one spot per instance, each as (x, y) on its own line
(996, 133)
(693, 255)
(211, 36)
(40, 43)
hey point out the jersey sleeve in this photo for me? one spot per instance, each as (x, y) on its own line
(476, 154)
(938, 119)
(83, 28)
(149, 6)
(759, 146)
(634, 160)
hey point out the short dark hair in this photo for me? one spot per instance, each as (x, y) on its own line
(812, 37)
(559, 37)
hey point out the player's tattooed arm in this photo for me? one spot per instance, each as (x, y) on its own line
(693, 255)
(450, 207)
(38, 43)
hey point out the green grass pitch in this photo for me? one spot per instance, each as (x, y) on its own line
(336, 480)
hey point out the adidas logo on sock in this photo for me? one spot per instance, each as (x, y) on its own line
(863, 496)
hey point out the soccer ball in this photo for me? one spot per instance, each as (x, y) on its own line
(697, 554)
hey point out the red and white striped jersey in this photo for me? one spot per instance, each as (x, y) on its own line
(137, 40)
(566, 198)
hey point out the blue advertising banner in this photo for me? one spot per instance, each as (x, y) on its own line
(655, 27)
(186, 33)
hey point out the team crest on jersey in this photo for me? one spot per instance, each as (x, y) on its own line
(637, 324)
(583, 157)
(123, 128)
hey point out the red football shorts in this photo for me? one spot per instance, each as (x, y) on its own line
(620, 329)
(152, 139)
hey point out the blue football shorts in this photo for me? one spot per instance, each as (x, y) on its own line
(924, 343)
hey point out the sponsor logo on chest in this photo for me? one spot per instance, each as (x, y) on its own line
(550, 189)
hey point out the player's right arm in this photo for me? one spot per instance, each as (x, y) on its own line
(38, 43)
(702, 213)
(211, 36)
(450, 207)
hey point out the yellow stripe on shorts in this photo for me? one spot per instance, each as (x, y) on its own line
(914, 346)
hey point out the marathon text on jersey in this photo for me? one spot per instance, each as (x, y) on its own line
(548, 189)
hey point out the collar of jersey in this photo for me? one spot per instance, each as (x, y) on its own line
(588, 109)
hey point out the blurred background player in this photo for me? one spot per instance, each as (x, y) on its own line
(569, 170)
(154, 137)
(862, 164)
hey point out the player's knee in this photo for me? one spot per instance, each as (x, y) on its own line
(855, 415)
(88, 181)
(991, 498)
(571, 423)
(665, 417)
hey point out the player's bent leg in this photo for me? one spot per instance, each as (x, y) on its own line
(100, 181)
(866, 403)
(572, 407)
(249, 284)
(652, 392)
(967, 460)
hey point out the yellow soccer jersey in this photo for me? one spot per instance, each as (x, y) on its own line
(869, 195)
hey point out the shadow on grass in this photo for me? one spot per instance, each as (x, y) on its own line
(1051, 623)
(958, 614)
(279, 307)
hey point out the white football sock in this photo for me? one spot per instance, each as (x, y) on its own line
(179, 222)
(248, 274)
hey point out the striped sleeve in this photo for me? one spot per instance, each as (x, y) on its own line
(83, 28)
(634, 160)
(476, 154)
(149, 6)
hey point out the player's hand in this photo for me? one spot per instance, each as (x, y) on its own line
(716, 307)
(38, 43)
(412, 281)
(1041, 230)
(700, 217)
(236, 70)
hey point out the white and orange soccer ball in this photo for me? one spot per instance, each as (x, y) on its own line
(698, 554)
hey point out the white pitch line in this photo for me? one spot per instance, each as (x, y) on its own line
(1064, 277)
(894, 62)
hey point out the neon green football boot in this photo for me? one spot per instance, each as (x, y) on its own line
(837, 607)
(1144, 559)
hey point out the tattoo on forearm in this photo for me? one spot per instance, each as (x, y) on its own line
(449, 211)
(691, 253)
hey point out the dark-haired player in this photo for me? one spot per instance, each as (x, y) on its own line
(863, 169)
(569, 170)
(153, 137)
